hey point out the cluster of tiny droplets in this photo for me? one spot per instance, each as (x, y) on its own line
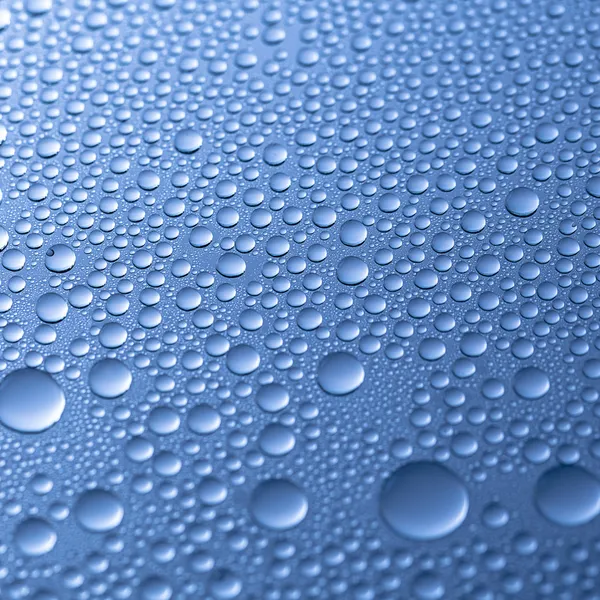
(299, 299)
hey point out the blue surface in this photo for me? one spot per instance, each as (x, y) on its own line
(299, 300)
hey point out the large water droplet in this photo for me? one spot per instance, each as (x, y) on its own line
(340, 373)
(352, 270)
(278, 504)
(98, 511)
(568, 495)
(60, 258)
(531, 383)
(424, 501)
(592, 187)
(522, 202)
(35, 536)
(30, 401)
(203, 419)
(188, 141)
(38, 7)
(272, 397)
(109, 378)
(243, 359)
(51, 308)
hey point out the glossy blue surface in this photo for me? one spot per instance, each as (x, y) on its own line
(299, 300)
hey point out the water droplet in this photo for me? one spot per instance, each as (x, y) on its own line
(109, 378)
(278, 504)
(352, 270)
(30, 401)
(242, 359)
(568, 495)
(522, 202)
(35, 536)
(340, 373)
(188, 141)
(98, 511)
(531, 383)
(60, 258)
(424, 501)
